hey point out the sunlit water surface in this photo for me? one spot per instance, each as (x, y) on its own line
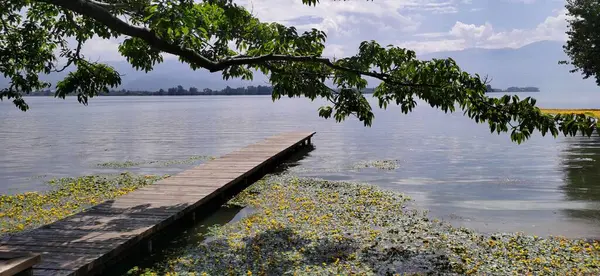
(447, 163)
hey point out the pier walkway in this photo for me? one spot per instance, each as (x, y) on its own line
(88, 242)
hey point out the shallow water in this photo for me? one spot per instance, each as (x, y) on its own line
(447, 163)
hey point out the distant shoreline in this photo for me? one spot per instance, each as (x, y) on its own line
(513, 91)
(149, 95)
(585, 111)
(192, 91)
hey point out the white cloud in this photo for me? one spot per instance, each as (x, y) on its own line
(342, 18)
(334, 50)
(471, 31)
(102, 49)
(423, 47)
(347, 23)
(522, 1)
(433, 7)
(462, 36)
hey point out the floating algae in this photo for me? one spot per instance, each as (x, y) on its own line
(67, 196)
(314, 227)
(378, 164)
(117, 165)
(129, 164)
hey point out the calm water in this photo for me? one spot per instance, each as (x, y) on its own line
(448, 164)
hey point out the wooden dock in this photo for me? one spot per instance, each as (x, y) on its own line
(87, 243)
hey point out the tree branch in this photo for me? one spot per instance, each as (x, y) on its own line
(77, 55)
(99, 12)
(109, 5)
(102, 15)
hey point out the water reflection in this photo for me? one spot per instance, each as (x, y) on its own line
(448, 164)
(581, 166)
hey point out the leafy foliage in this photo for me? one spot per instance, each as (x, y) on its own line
(583, 45)
(220, 36)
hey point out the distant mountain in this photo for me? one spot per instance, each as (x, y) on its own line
(535, 64)
(165, 75)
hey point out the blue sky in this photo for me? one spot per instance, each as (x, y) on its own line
(423, 25)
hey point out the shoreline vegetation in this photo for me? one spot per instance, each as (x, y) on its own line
(588, 112)
(309, 226)
(512, 89)
(306, 226)
(181, 91)
(229, 91)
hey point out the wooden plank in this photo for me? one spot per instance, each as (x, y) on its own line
(13, 262)
(106, 224)
(65, 261)
(224, 163)
(206, 175)
(82, 242)
(170, 188)
(67, 239)
(218, 168)
(164, 198)
(174, 181)
(172, 193)
(46, 242)
(53, 249)
(51, 272)
(144, 205)
(214, 173)
(133, 212)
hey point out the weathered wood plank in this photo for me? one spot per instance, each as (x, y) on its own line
(12, 263)
(174, 180)
(65, 261)
(81, 243)
(53, 249)
(51, 272)
(47, 242)
(234, 172)
(170, 188)
(225, 164)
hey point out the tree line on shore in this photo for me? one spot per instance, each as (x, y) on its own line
(245, 90)
(489, 88)
(192, 91)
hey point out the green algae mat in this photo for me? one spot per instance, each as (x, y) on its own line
(306, 226)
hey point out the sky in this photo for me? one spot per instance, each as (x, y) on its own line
(425, 26)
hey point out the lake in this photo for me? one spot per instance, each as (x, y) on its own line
(447, 163)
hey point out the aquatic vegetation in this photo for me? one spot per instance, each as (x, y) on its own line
(128, 164)
(67, 196)
(589, 112)
(378, 164)
(116, 165)
(314, 227)
(373, 164)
